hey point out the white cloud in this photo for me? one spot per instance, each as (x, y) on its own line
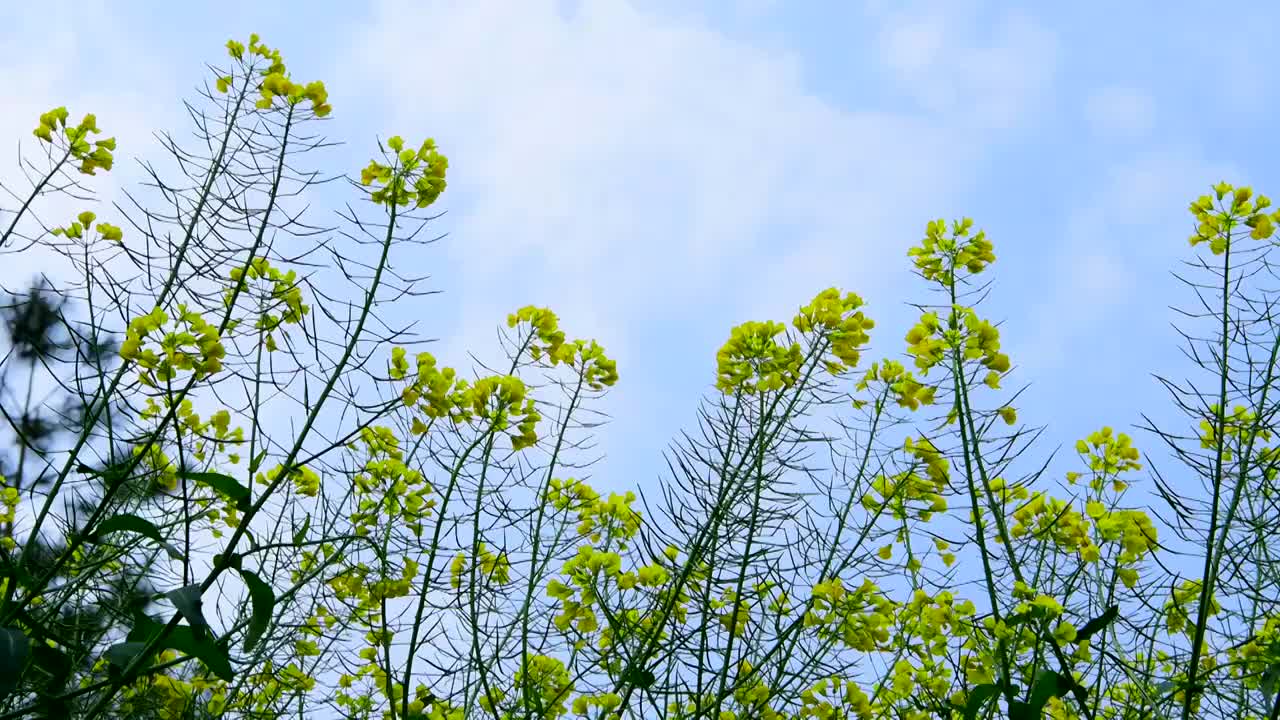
(643, 174)
(987, 73)
(1119, 112)
(1113, 257)
(647, 177)
(80, 58)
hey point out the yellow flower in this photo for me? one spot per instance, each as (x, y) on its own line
(110, 232)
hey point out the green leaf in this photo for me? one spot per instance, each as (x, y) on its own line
(213, 655)
(1269, 681)
(187, 600)
(121, 655)
(15, 648)
(264, 603)
(183, 639)
(1098, 623)
(1048, 684)
(978, 699)
(256, 462)
(224, 484)
(134, 524)
(638, 677)
(52, 662)
(301, 533)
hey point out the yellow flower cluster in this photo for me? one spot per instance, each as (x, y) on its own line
(500, 399)
(1051, 518)
(494, 567)
(861, 618)
(1131, 528)
(582, 570)
(284, 290)
(907, 680)
(841, 322)
(1251, 661)
(592, 569)
(266, 688)
(82, 223)
(605, 702)
(596, 517)
(928, 341)
(412, 178)
(547, 339)
(1238, 423)
(388, 488)
(733, 612)
(10, 498)
(897, 490)
(198, 348)
(939, 254)
(165, 697)
(907, 391)
(931, 622)
(1215, 226)
(431, 389)
(1035, 603)
(547, 680)
(156, 461)
(1108, 455)
(275, 80)
(832, 697)
(305, 480)
(752, 361)
(1181, 599)
(598, 371)
(982, 343)
(217, 428)
(91, 157)
(925, 342)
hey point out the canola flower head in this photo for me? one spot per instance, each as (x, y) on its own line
(942, 254)
(1216, 224)
(902, 385)
(275, 82)
(753, 361)
(192, 344)
(75, 138)
(839, 319)
(548, 341)
(282, 291)
(406, 177)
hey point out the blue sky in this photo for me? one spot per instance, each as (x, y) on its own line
(657, 172)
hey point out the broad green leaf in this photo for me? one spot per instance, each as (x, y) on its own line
(187, 600)
(121, 655)
(1098, 623)
(134, 524)
(639, 677)
(978, 699)
(301, 533)
(263, 599)
(224, 484)
(183, 639)
(1270, 678)
(256, 462)
(15, 648)
(1048, 684)
(53, 663)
